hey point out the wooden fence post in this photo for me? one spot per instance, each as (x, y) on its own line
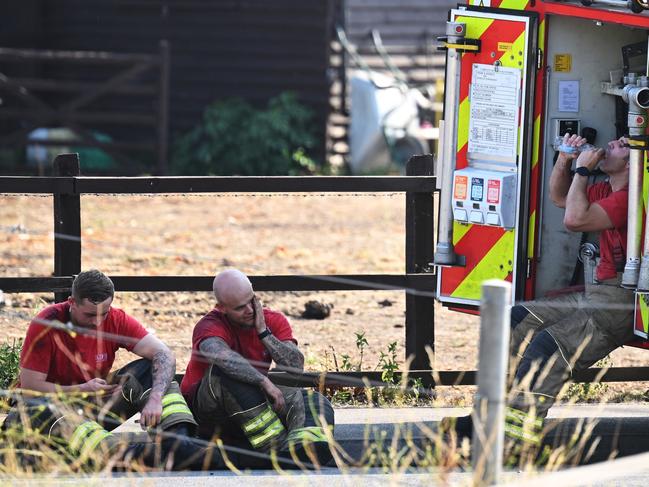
(163, 108)
(420, 310)
(67, 223)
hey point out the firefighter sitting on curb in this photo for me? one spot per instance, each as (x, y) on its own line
(226, 385)
(68, 369)
(551, 338)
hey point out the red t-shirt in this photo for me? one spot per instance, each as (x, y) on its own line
(68, 359)
(612, 242)
(244, 342)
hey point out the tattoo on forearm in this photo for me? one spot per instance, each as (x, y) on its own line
(163, 368)
(284, 353)
(230, 362)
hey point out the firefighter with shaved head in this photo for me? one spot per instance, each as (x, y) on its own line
(226, 383)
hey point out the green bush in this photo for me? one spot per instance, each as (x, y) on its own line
(236, 139)
(9, 359)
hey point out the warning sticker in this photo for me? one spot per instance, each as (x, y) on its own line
(562, 63)
(505, 46)
(493, 191)
(461, 183)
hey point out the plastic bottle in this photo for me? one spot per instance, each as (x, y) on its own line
(558, 145)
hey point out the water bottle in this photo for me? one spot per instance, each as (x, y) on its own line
(558, 145)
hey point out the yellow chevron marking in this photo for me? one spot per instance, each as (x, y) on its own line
(475, 26)
(530, 235)
(496, 264)
(459, 230)
(511, 58)
(514, 4)
(644, 310)
(463, 124)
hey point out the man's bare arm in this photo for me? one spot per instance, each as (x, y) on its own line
(284, 353)
(163, 362)
(235, 366)
(560, 181)
(230, 362)
(163, 369)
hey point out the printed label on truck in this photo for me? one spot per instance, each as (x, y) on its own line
(493, 191)
(460, 187)
(477, 189)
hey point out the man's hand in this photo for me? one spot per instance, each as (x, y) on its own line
(573, 140)
(151, 412)
(260, 322)
(274, 394)
(98, 385)
(589, 159)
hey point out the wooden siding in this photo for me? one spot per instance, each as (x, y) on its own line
(252, 49)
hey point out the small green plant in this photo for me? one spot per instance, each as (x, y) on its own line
(589, 391)
(394, 392)
(9, 362)
(234, 138)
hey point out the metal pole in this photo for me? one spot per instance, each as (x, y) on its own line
(444, 251)
(489, 407)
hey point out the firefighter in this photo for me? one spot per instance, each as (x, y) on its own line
(71, 365)
(553, 337)
(226, 383)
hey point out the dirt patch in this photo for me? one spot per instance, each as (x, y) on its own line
(261, 235)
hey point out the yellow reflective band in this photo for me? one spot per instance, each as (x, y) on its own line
(258, 422)
(308, 434)
(465, 47)
(173, 397)
(517, 433)
(644, 310)
(91, 443)
(80, 433)
(275, 429)
(173, 409)
(536, 141)
(463, 123)
(521, 417)
(531, 236)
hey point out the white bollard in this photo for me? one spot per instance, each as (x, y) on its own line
(489, 406)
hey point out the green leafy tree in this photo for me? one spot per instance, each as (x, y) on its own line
(236, 139)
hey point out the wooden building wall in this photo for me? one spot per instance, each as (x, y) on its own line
(252, 49)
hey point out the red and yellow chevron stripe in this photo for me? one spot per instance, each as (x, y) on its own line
(489, 251)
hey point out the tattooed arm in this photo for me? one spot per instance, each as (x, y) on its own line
(163, 369)
(283, 353)
(232, 364)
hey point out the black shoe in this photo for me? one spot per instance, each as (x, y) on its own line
(462, 426)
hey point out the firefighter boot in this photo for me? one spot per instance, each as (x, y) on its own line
(247, 406)
(308, 414)
(26, 429)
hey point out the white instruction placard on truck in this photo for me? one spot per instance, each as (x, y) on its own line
(494, 114)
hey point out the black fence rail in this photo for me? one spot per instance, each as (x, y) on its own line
(418, 280)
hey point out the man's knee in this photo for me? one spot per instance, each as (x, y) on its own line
(542, 348)
(518, 314)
